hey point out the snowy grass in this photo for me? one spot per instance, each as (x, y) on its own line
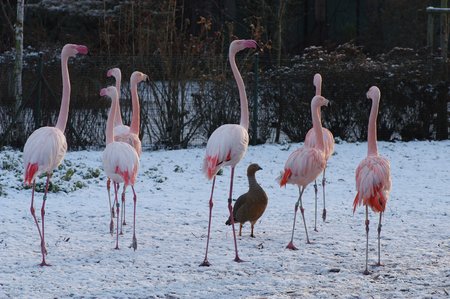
(172, 224)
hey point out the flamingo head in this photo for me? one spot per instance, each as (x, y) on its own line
(241, 44)
(319, 101)
(138, 77)
(109, 91)
(71, 50)
(115, 72)
(318, 83)
(374, 93)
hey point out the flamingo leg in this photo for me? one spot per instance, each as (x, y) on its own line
(43, 248)
(379, 245)
(122, 215)
(33, 211)
(302, 210)
(291, 243)
(134, 243)
(116, 201)
(366, 272)
(230, 208)
(205, 261)
(324, 213)
(111, 209)
(315, 205)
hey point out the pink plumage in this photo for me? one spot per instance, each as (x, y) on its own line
(226, 147)
(305, 164)
(45, 148)
(120, 160)
(227, 144)
(128, 134)
(328, 149)
(123, 133)
(373, 183)
(373, 175)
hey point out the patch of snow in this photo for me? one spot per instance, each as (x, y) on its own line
(172, 220)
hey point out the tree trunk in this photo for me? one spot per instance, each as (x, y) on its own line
(18, 132)
(281, 9)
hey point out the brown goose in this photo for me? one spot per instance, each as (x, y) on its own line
(251, 205)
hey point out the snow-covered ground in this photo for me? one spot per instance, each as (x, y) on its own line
(172, 224)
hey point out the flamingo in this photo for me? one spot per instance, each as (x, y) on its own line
(305, 164)
(120, 161)
(45, 148)
(125, 133)
(117, 74)
(228, 143)
(328, 143)
(373, 175)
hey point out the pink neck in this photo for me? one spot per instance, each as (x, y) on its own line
(65, 101)
(317, 125)
(372, 130)
(110, 121)
(135, 120)
(118, 118)
(319, 89)
(242, 94)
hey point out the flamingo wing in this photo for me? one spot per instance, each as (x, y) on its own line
(130, 138)
(121, 162)
(226, 146)
(373, 183)
(43, 152)
(303, 166)
(328, 141)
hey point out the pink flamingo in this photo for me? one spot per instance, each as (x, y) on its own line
(373, 175)
(46, 147)
(228, 143)
(305, 164)
(328, 143)
(125, 133)
(120, 161)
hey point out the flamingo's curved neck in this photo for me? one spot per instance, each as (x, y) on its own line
(317, 125)
(372, 130)
(111, 119)
(242, 94)
(319, 89)
(135, 120)
(118, 117)
(65, 101)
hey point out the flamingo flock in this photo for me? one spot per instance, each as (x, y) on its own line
(45, 148)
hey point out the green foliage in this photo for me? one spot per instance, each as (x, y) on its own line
(68, 175)
(91, 173)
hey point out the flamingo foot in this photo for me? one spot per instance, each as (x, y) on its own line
(379, 264)
(124, 223)
(316, 230)
(205, 264)
(134, 243)
(324, 215)
(366, 272)
(44, 264)
(237, 259)
(291, 246)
